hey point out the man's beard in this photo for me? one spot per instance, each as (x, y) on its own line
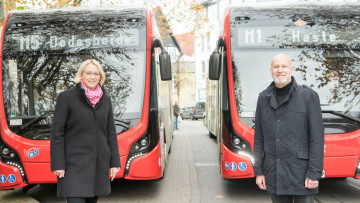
(281, 82)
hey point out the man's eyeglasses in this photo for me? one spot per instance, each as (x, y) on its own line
(89, 74)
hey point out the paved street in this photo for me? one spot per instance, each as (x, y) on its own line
(192, 175)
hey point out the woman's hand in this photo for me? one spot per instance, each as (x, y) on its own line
(59, 173)
(113, 172)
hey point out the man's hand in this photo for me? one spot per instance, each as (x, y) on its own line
(59, 173)
(260, 181)
(311, 184)
(113, 172)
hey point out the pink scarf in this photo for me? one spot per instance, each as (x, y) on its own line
(94, 96)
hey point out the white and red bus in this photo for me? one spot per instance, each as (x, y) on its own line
(41, 51)
(323, 42)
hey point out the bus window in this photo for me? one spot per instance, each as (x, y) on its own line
(41, 59)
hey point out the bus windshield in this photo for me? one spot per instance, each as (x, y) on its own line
(41, 59)
(324, 57)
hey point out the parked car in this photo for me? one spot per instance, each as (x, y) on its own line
(193, 110)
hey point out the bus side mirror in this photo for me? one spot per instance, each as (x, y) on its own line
(215, 66)
(165, 66)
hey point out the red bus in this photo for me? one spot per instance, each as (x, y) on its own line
(323, 42)
(41, 51)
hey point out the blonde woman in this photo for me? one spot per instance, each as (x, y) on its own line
(84, 148)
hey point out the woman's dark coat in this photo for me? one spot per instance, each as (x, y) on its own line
(289, 140)
(84, 143)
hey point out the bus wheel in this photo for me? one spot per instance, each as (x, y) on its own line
(211, 135)
(165, 154)
(165, 149)
(169, 150)
(28, 187)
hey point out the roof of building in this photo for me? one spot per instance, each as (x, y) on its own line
(186, 42)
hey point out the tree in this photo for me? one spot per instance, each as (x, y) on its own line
(334, 67)
(8, 5)
(28, 4)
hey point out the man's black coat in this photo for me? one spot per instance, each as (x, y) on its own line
(289, 140)
(84, 143)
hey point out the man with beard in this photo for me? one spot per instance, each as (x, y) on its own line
(289, 137)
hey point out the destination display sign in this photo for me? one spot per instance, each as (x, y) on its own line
(62, 41)
(287, 36)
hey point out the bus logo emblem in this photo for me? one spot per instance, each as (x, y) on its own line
(300, 23)
(242, 166)
(233, 166)
(226, 165)
(11, 178)
(32, 152)
(2, 178)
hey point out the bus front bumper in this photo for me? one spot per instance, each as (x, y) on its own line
(235, 165)
(147, 167)
(346, 166)
(10, 177)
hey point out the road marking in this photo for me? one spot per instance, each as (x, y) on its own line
(355, 186)
(316, 200)
(207, 164)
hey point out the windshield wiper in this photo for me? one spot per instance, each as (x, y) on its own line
(36, 119)
(123, 123)
(342, 115)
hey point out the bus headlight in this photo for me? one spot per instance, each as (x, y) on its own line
(141, 147)
(10, 157)
(137, 147)
(5, 151)
(236, 141)
(143, 142)
(239, 143)
(8, 154)
(241, 147)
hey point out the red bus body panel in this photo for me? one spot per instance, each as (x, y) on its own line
(37, 169)
(341, 153)
(39, 173)
(147, 167)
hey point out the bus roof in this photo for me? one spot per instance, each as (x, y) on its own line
(82, 9)
(325, 8)
(87, 13)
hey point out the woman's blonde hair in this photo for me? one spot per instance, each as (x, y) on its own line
(82, 68)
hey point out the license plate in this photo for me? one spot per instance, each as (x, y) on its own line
(16, 122)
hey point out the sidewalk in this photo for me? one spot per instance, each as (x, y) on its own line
(180, 183)
(16, 195)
